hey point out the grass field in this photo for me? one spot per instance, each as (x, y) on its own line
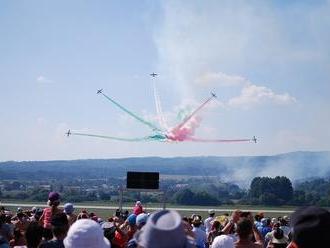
(106, 209)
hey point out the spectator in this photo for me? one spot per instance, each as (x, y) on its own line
(311, 228)
(5, 231)
(229, 228)
(215, 231)
(21, 223)
(223, 241)
(18, 240)
(69, 211)
(138, 209)
(285, 225)
(60, 227)
(82, 215)
(257, 219)
(265, 226)
(46, 217)
(163, 230)
(33, 235)
(86, 233)
(141, 220)
(187, 227)
(276, 238)
(109, 230)
(209, 221)
(244, 230)
(200, 235)
(125, 232)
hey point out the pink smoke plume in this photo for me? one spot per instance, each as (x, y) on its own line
(185, 132)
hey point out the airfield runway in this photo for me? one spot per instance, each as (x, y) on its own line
(24, 205)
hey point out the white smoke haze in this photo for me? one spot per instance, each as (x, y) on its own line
(296, 166)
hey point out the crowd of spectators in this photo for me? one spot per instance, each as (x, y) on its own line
(56, 227)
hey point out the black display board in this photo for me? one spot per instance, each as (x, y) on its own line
(142, 180)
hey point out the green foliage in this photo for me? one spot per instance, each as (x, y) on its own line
(313, 192)
(271, 191)
(187, 197)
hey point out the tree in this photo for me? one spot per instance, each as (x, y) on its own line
(187, 197)
(271, 191)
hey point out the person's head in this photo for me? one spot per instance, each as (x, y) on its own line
(163, 229)
(197, 221)
(216, 225)
(53, 199)
(38, 213)
(211, 212)
(17, 234)
(264, 222)
(68, 208)
(257, 217)
(223, 241)
(2, 219)
(60, 225)
(131, 221)
(285, 220)
(20, 215)
(141, 220)
(33, 234)
(244, 228)
(82, 215)
(86, 233)
(310, 227)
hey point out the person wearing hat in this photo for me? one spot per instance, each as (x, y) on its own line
(276, 238)
(60, 227)
(46, 217)
(126, 231)
(285, 225)
(216, 230)
(138, 209)
(310, 228)
(209, 221)
(223, 241)
(69, 211)
(86, 233)
(163, 230)
(21, 221)
(265, 226)
(141, 220)
(200, 235)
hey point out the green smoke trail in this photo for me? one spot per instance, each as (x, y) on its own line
(153, 127)
(112, 138)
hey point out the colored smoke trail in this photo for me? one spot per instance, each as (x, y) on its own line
(159, 110)
(185, 132)
(193, 114)
(152, 126)
(112, 138)
(217, 140)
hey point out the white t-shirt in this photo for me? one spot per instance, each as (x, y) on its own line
(208, 224)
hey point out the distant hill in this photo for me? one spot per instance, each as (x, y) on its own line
(295, 165)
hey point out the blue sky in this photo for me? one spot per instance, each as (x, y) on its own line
(268, 62)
